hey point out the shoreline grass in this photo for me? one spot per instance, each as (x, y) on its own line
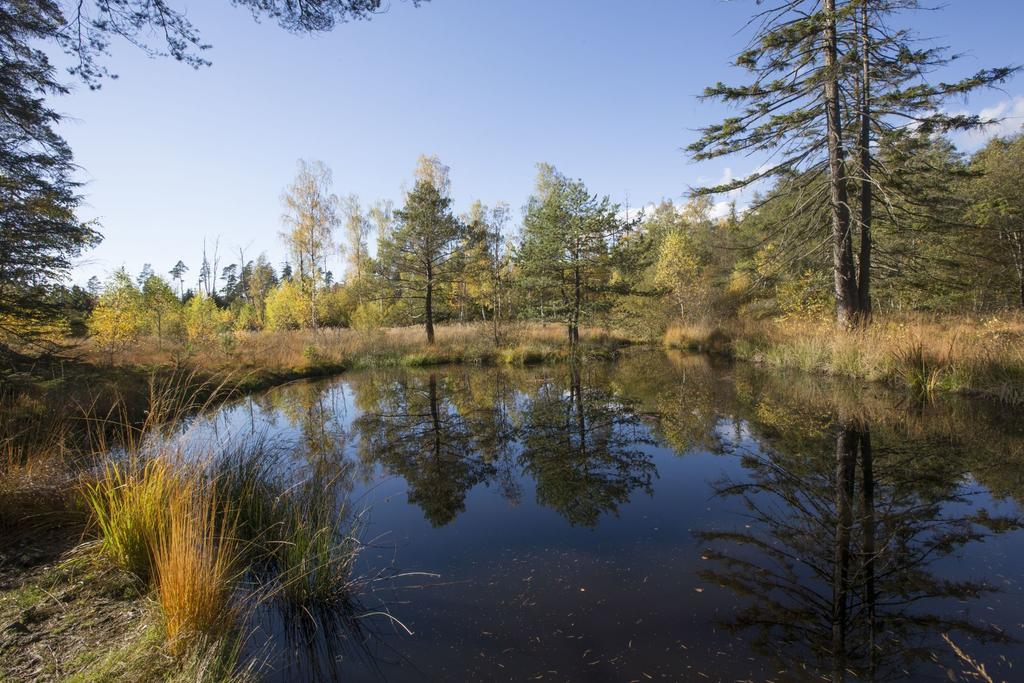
(85, 378)
(329, 350)
(208, 535)
(924, 356)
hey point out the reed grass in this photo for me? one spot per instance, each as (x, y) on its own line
(315, 548)
(925, 355)
(300, 538)
(192, 521)
(193, 529)
(34, 480)
(262, 358)
(195, 564)
(131, 508)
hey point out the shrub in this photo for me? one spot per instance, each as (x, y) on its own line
(118, 319)
(286, 309)
(204, 320)
(248, 318)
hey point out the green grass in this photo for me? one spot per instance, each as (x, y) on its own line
(299, 539)
(130, 504)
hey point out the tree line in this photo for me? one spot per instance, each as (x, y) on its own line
(575, 253)
(863, 205)
(576, 258)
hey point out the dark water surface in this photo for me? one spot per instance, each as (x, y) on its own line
(657, 518)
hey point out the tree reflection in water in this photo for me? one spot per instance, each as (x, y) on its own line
(445, 434)
(415, 431)
(836, 559)
(583, 447)
(858, 507)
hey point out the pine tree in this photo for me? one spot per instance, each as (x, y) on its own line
(831, 78)
(567, 251)
(39, 233)
(419, 250)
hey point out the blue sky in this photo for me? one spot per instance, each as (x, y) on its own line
(604, 90)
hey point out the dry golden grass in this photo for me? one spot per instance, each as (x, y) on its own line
(299, 352)
(195, 564)
(169, 515)
(982, 355)
(34, 477)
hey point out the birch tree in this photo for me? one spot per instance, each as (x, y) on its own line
(310, 219)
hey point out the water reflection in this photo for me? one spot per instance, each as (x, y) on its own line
(830, 529)
(582, 446)
(837, 557)
(578, 441)
(415, 430)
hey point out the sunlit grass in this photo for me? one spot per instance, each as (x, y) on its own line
(210, 532)
(195, 562)
(962, 354)
(131, 505)
(258, 357)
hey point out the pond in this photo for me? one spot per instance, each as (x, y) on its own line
(662, 517)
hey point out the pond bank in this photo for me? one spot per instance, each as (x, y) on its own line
(924, 356)
(476, 408)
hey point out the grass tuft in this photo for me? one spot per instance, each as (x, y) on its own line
(130, 505)
(195, 563)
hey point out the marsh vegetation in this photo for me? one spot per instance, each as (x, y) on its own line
(768, 429)
(376, 524)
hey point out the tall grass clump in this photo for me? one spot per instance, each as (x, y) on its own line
(35, 464)
(32, 490)
(195, 563)
(300, 538)
(921, 372)
(211, 532)
(131, 508)
(316, 546)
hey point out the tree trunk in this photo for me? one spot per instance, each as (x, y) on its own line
(844, 280)
(435, 419)
(1020, 280)
(576, 397)
(866, 190)
(312, 302)
(574, 327)
(846, 456)
(868, 529)
(428, 312)
(1018, 257)
(495, 314)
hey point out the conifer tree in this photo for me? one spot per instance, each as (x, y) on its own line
(420, 248)
(829, 78)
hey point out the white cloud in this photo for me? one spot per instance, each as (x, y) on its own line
(721, 209)
(1006, 118)
(631, 212)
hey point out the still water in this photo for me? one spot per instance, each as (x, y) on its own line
(656, 518)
